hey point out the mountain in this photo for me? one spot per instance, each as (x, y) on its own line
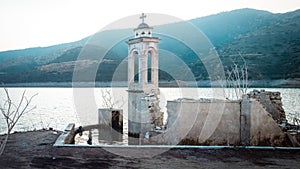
(272, 51)
(22, 66)
(268, 43)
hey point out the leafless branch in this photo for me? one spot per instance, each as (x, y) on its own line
(109, 101)
(237, 80)
(13, 112)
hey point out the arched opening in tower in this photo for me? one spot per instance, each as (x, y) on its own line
(149, 70)
(136, 67)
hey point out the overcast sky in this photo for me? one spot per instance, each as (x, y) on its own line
(32, 23)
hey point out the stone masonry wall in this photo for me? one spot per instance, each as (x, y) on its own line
(271, 101)
(201, 122)
(204, 122)
(264, 129)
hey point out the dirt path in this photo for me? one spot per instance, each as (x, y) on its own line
(35, 150)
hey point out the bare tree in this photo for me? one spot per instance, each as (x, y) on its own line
(109, 101)
(237, 80)
(12, 112)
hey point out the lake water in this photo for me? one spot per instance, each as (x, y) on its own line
(56, 107)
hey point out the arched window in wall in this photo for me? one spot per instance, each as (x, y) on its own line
(149, 70)
(136, 67)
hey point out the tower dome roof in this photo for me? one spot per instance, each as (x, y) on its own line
(143, 25)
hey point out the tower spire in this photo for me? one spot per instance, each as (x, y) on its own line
(143, 17)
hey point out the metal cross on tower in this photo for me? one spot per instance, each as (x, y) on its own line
(143, 17)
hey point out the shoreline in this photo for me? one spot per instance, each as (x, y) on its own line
(279, 83)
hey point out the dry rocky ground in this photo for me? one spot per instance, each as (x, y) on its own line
(35, 150)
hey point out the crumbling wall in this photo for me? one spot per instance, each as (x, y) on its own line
(155, 111)
(206, 125)
(271, 101)
(70, 134)
(264, 129)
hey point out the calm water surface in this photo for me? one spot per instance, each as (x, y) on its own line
(55, 107)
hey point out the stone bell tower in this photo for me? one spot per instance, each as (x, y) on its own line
(143, 88)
